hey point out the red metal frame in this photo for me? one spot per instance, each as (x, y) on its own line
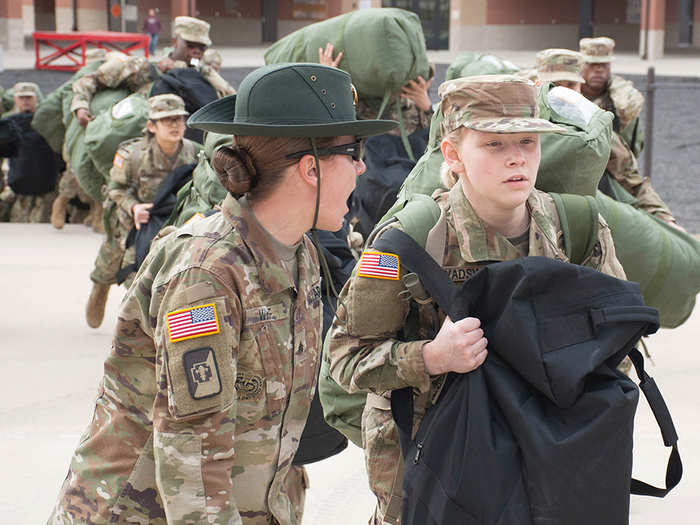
(72, 46)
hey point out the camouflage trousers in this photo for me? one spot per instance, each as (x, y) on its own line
(112, 254)
(32, 208)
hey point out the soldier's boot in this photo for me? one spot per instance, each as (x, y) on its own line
(58, 212)
(95, 309)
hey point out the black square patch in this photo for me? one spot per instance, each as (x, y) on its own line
(202, 373)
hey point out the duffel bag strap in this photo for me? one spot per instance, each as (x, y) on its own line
(674, 468)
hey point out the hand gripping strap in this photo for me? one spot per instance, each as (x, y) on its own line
(674, 468)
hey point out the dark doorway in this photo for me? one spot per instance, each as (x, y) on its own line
(45, 15)
(434, 16)
(685, 37)
(269, 20)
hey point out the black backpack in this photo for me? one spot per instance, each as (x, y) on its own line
(542, 431)
(192, 87)
(34, 166)
(388, 165)
(164, 202)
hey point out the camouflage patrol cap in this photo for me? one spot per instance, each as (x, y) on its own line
(167, 105)
(290, 100)
(25, 89)
(597, 50)
(492, 103)
(554, 65)
(192, 29)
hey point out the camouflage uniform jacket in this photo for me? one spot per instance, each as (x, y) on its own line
(138, 169)
(625, 101)
(203, 429)
(137, 74)
(375, 346)
(624, 168)
(414, 119)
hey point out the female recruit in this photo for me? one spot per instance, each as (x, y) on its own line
(215, 356)
(493, 213)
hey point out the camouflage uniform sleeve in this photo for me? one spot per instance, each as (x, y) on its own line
(604, 258)
(83, 90)
(194, 415)
(623, 166)
(365, 352)
(121, 188)
(223, 88)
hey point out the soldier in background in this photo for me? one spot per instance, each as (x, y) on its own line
(137, 73)
(31, 180)
(617, 95)
(561, 67)
(70, 195)
(140, 165)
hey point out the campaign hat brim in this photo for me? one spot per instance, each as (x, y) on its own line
(218, 117)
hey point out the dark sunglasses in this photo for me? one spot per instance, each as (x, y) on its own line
(354, 150)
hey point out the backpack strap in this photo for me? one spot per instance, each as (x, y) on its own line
(674, 467)
(417, 218)
(578, 216)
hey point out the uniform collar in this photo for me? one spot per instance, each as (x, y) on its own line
(478, 244)
(272, 273)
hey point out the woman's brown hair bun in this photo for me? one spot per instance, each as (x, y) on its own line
(235, 169)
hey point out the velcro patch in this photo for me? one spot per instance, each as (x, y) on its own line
(202, 372)
(189, 323)
(118, 160)
(379, 265)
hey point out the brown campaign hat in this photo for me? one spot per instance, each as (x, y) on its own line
(492, 103)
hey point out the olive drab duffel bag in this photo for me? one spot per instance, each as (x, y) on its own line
(383, 49)
(470, 64)
(204, 191)
(89, 177)
(123, 121)
(504, 443)
(664, 260)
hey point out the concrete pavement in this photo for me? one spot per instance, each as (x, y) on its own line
(673, 64)
(52, 363)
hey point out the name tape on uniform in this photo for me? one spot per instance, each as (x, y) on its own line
(189, 323)
(379, 265)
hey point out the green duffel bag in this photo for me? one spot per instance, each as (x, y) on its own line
(125, 120)
(383, 49)
(81, 164)
(204, 191)
(470, 64)
(574, 160)
(664, 261)
(48, 120)
(89, 178)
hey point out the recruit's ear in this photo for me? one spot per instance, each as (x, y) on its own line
(451, 155)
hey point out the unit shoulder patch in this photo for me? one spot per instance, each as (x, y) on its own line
(379, 265)
(196, 321)
(202, 372)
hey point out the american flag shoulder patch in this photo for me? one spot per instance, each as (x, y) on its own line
(118, 160)
(189, 323)
(379, 265)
